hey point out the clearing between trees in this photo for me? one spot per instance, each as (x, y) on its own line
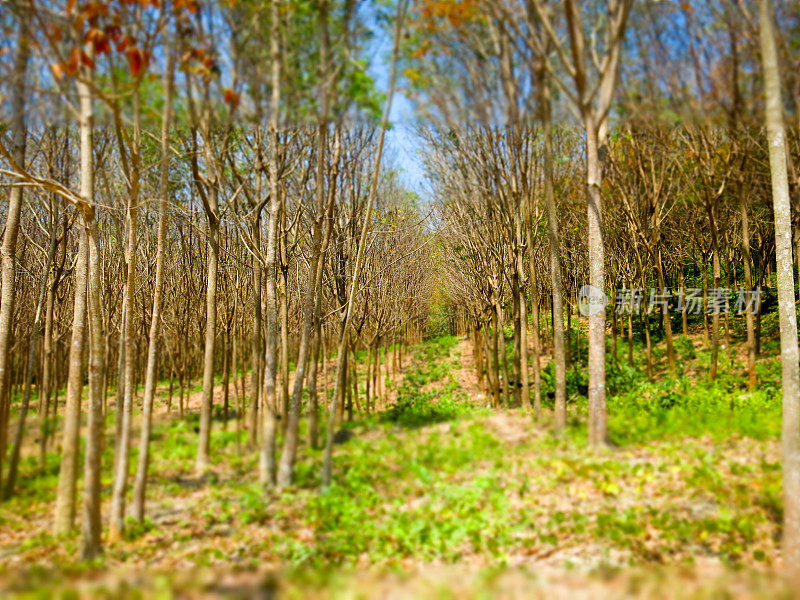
(439, 494)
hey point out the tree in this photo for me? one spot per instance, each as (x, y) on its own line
(790, 358)
(9, 247)
(592, 98)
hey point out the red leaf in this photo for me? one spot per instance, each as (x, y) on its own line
(125, 43)
(71, 67)
(137, 60)
(114, 32)
(87, 60)
(231, 97)
(54, 33)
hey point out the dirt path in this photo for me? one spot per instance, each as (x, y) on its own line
(495, 471)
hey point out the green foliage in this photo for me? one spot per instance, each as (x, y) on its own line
(415, 407)
(680, 406)
(692, 472)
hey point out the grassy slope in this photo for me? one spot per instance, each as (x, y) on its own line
(470, 501)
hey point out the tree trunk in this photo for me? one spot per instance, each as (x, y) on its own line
(283, 315)
(47, 368)
(495, 359)
(327, 468)
(559, 356)
(122, 458)
(665, 315)
(715, 315)
(267, 467)
(13, 464)
(226, 377)
(501, 332)
(256, 342)
(684, 314)
(9, 247)
(68, 472)
(786, 299)
(313, 400)
(748, 284)
(597, 322)
(202, 462)
(94, 429)
(139, 488)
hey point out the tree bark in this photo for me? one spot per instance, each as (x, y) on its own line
(13, 464)
(559, 356)
(9, 247)
(748, 284)
(202, 462)
(64, 516)
(327, 468)
(140, 483)
(289, 454)
(267, 467)
(786, 298)
(91, 546)
(122, 458)
(598, 432)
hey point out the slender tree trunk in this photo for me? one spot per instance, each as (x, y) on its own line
(495, 359)
(706, 328)
(684, 314)
(327, 468)
(715, 315)
(319, 244)
(537, 352)
(525, 397)
(786, 299)
(202, 462)
(122, 459)
(368, 376)
(597, 322)
(120, 400)
(91, 526)
(477, 355)
(614, 330)
(748, 284)
(140, 484)
(537, 345)
(313, 400)
(648, 343)
(226, 378)
(559, 356)
(504, 355)
(283, 315)
(238, 393)
(47, 368)
(256, 340)
(267, 467)
(9, 247)
(13, 464)
(64, 517)
(517, 325)
(665, 315)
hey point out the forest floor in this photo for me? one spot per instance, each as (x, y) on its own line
(439, 496)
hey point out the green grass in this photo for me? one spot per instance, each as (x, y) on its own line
(693, 472)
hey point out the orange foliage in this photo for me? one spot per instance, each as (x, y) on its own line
(99, 24)
(231, 97)
(454, 12)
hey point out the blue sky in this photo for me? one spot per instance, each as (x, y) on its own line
(403, 146)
